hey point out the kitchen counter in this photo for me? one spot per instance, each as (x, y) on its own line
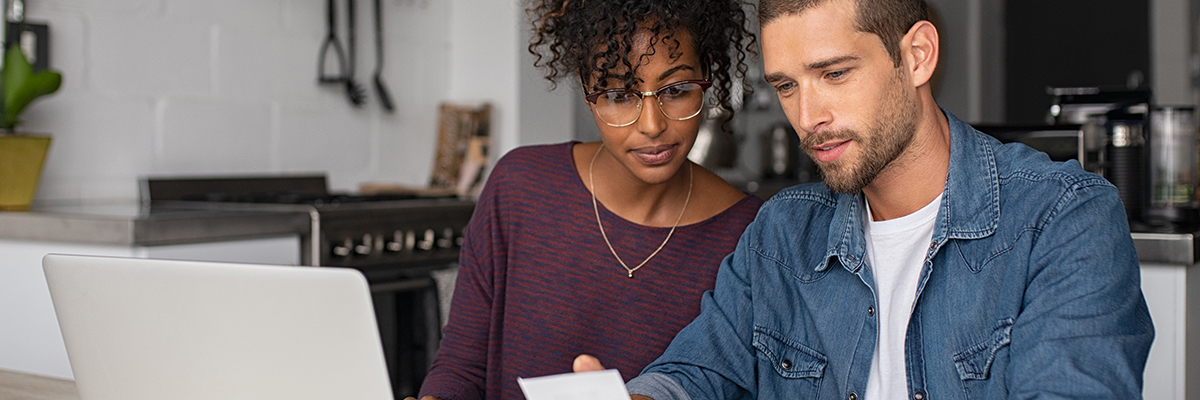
(22, 386)
(130, 224)
(1166, 248)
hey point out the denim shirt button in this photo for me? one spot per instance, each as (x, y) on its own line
(871, 310)
(850, 258)
(933, 245)
(786, 364)
(919, 395)
(853, 396)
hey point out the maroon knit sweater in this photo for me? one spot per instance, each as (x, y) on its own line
(538, 286)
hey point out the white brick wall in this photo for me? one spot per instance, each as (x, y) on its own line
(169, 87)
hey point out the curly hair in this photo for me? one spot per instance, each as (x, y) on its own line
(591, 39)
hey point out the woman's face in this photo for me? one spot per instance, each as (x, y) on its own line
(654, 147)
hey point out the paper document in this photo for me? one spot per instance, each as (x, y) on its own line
(596, 385)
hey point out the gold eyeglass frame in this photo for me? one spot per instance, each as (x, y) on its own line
(592, 97)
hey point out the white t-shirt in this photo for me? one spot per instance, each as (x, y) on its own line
(896, 251)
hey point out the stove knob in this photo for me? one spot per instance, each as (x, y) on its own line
(447, 238)
(428, 240)
(410, 240)
(396, 243)
(343, 250)
(366, 246)
(458, 239)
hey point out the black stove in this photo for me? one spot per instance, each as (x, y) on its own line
(288, 197)
(395, 240)
(347, 230)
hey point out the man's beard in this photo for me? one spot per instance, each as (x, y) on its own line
(889, 136)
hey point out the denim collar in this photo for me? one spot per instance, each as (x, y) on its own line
(970, 206)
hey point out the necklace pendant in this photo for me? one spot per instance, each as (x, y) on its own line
(600, 224)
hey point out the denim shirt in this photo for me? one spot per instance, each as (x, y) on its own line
(1030, 288)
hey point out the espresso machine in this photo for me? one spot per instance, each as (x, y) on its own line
(1148, 152)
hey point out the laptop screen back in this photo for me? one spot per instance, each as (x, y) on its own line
(156, 329)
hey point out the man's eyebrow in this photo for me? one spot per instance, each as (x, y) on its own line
(832, 61)
(778, 76)
(775, 77)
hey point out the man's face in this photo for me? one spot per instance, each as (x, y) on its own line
(854, 111)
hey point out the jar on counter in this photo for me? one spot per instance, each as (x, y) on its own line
(1174, 169)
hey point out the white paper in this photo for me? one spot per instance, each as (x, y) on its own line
(595, 385)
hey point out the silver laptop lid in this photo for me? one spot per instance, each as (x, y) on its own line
(156, 329)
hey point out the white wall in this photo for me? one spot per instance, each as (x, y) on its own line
(154, 87)
(483, 62)
(546, 116)
(489, 60)
(170, 87)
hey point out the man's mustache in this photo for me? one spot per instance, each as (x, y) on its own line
(810, 142)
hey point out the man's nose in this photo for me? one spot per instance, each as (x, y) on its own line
(810, 111)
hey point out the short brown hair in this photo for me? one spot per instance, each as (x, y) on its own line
(890, 20)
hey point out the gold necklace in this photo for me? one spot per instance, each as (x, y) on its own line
(592, 182)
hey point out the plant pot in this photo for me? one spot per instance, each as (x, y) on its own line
(21, 159)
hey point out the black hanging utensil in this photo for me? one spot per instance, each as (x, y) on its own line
(331, 41)
(354, 90)
(385, 98)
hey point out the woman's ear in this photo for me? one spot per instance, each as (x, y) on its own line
(919, 50)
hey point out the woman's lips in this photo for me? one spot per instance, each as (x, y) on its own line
(830, 151)
(654, 155)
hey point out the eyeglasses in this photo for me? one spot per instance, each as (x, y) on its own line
(622, 107)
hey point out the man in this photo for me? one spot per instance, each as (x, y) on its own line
(934, 262)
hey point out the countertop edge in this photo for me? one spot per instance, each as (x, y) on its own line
(150, 231)
(1167, 248)
(25, 386)
(168, 229)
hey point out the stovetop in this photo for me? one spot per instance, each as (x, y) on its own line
(352, 230)
(282, 189)
(296, 198)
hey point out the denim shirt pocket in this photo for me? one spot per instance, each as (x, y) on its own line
(799, 368)
(975, 362)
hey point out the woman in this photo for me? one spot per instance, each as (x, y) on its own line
(600, 248)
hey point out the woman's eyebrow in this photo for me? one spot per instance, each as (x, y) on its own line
(672, 71)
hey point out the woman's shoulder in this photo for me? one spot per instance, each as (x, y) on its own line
(744, 210)
(534, 162)
(722, 201)
(540, 155)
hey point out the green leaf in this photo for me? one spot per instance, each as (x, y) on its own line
(22, 86)
(16, 70)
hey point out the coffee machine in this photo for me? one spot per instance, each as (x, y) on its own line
(1148, 152)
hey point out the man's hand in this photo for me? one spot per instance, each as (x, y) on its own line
(585, 363)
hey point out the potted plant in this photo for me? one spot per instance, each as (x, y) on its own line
(21, 156)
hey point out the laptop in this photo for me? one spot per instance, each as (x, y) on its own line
(140, 329)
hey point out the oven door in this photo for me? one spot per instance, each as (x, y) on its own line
(408, 313)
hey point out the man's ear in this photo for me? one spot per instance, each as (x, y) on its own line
(919, 51)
